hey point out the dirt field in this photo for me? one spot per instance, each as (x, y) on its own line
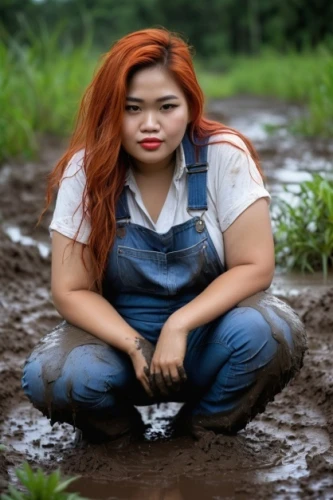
(285, 453)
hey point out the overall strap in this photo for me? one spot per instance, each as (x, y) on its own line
(196, 168)
(197, 180)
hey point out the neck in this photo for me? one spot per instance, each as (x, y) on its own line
(162, 169)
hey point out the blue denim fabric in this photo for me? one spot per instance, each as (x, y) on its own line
(148, 277)
(223, 360)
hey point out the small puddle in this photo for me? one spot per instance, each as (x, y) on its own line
(287, 160)
(182, 489)
(273, 448)
(292, 284)
(31, 434)
(16, 236)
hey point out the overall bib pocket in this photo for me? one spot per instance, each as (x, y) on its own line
(165, 273)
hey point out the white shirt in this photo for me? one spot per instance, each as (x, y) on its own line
(233, 184)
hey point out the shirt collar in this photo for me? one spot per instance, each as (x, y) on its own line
(180, 163)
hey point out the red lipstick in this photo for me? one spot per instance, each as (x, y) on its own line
(150, 143)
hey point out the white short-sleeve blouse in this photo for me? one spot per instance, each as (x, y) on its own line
(233, 184)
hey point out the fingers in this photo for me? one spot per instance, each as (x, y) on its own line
(158, 383)
(181, 373)
(141, 358)
(167, 381)
(144, 379)
(175, 380)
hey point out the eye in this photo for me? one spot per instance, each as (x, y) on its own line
(132, 108)
(168, 107)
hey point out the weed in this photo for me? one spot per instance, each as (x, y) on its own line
(304, 227)
(43, 78)
(40, 486)
(320, 114)
(41, 84)
(305, 78)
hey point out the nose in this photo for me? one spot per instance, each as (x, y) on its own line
(150, 122)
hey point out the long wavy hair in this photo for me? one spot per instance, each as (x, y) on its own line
(98, 128)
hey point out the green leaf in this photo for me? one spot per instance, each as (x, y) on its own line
(64, 484)
(52, 483)
(14, 493)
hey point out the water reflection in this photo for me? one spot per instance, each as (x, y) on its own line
(16, 236)
(181, 489)
(121, 490)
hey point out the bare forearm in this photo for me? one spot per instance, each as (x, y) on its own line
(91, 312)
(222, 294)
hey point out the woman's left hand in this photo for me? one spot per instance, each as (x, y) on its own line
(166, 370)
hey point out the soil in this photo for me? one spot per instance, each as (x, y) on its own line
(284, 453)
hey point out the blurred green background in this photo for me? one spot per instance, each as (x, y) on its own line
(215, 27)
(49, 50)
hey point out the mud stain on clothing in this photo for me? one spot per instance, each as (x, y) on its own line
(285, 451)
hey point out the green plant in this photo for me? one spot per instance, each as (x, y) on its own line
(40, 486)
(304, 227)
(305, 78)
(41, 82)
(320, 120)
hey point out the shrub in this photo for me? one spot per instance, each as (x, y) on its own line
(40, 486)
(304, 227)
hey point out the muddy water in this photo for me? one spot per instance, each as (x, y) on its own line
(284, 453)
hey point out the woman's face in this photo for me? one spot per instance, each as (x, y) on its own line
(155, 118)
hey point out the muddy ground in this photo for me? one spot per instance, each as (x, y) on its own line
(285, 453)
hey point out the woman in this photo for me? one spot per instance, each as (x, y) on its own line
(161, 250)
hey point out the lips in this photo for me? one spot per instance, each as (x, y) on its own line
(150, 143)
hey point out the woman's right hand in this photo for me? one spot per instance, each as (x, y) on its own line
(141, 356)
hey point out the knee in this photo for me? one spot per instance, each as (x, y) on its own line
(84, 389)
(248, 336)
(89, 376)
(33, 383)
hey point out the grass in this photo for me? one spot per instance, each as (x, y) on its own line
(288, 76)
(41, 85)
(42, 80)
(40, 486)
(302, 78)
(304, 229)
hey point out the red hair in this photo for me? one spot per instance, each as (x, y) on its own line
(98, 128)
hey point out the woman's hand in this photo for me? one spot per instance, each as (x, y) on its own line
(166, 369)
(141, 355)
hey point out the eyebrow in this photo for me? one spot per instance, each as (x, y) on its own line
(160, 99)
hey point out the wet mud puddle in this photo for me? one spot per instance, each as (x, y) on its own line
(286, 453)
(273, 448)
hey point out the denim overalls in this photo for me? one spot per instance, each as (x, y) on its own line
(234, 364)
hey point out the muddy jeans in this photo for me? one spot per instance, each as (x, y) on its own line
(260, 342)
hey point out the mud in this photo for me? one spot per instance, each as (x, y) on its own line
(284, 453)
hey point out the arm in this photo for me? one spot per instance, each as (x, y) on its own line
(82, 306)
(249, 251)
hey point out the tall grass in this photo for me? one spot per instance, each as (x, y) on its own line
(301, 78)
(41, 83)
(320, 120)
(304, 227)
(42, 80)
